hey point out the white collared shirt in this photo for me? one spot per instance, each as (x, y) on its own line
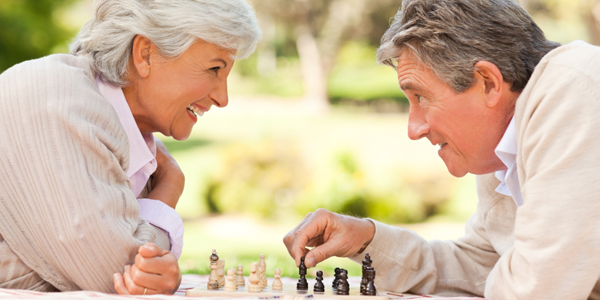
(507, 152)
(142, 163)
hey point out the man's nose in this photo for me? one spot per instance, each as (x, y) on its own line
(417, 125)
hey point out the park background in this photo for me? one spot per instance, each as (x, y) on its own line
(312, 122)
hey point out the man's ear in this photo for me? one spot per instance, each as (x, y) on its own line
(489, 74)
(140, 55)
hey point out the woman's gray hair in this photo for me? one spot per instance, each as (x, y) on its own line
(451, 36)
(172, 25)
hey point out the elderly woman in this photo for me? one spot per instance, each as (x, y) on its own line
(521, 112)
(87, 195)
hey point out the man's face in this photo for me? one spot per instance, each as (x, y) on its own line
(462, 125)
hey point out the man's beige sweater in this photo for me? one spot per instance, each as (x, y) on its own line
(548, 248)
(68, 217)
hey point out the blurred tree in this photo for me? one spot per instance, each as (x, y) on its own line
(319, 28)
(30, 29)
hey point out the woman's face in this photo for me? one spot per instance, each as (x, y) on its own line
(169, 95)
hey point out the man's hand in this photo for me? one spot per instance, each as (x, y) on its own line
(155, 271)
(330, 234)
(168, 180)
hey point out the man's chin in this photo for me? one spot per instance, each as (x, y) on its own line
(456, 172)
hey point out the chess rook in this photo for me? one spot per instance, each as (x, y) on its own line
(221, 272)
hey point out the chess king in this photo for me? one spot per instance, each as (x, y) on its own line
(518, 111)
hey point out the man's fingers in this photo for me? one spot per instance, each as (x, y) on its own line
(119, 284)
(320, 253)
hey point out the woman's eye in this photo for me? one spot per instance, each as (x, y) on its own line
(215, 69)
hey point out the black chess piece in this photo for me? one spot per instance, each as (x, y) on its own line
(319, 286)
(343, 287)
(370, 275)
(365, 263)
(336, 279)
(302, 283)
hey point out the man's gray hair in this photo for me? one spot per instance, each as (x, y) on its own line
(451, 36)
(172, 25)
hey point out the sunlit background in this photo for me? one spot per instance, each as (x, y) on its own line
(312, 122)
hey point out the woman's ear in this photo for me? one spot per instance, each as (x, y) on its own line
(140, 55)
(493, 81)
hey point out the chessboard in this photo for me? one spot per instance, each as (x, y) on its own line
(288, 290)
(236, 286)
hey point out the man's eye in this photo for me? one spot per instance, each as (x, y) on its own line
(419, 97)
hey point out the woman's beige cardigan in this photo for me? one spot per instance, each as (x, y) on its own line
(68, 217)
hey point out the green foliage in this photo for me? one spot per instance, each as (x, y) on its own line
(30, 29)
(357, 76)
(285, 81)
(271, 182)
(258, 179)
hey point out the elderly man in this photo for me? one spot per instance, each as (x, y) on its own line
(522, 114)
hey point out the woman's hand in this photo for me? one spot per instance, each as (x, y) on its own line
(155, 271)
(330, 234)
(168, 180)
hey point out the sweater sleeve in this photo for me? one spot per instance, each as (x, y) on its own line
(557, 230)
(405, 262)
(66, 206)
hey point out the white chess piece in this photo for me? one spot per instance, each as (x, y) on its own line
(262, 281)
(213, 279)
(231, 285)
(277, 284)
(262, 266)
(254, 280)
(221, 272)
(240, 276)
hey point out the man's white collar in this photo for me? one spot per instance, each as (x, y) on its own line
(507, 152)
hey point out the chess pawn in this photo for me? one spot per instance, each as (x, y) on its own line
(254, 280)
(277, 284)
(231, 285)
(343, 287)
(370, 289)
(302, 283)
(213, 278)
(239, 279)
(262, 266)
(336, 279)
(319, 286)
(221, 272)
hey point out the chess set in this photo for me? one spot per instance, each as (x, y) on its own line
(233, 285)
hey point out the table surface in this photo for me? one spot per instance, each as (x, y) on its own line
(189, 281)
